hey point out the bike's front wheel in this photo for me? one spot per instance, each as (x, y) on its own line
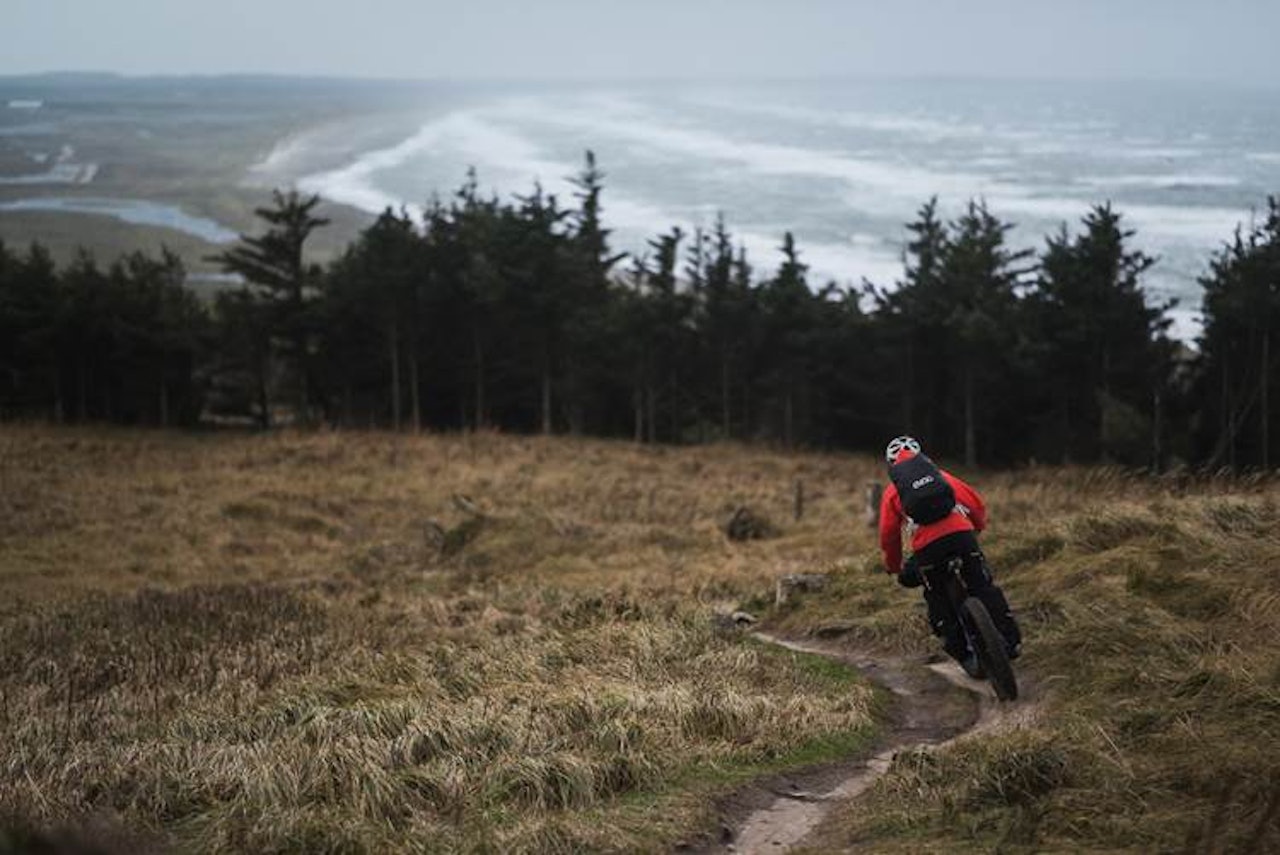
(990, 649)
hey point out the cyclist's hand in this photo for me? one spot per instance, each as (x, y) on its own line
(910, 577)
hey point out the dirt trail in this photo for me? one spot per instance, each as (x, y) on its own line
(934, 705)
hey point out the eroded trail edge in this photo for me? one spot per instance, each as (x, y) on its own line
(933, 704)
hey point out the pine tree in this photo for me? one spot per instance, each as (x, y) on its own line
(32, 305)
(589, 235)
(724, 318)
(979, 275)
(668, 333)
(788, 319)
(279, 283)
(162, 328)
(912, 316)
(550, 279)
(1100, 344)
(1238, 347)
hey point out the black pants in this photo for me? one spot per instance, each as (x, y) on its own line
(943, 622)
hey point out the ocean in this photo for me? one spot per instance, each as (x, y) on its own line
(841, 164)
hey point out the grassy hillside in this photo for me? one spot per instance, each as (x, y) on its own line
(369, 642)
(366, 642)
(1153, 616)
(65, 235)
(190, 143)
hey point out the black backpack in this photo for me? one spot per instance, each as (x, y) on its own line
(926, 495)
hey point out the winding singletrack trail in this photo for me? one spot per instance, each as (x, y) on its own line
(933, 705)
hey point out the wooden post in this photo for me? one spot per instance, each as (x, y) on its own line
(874, 493)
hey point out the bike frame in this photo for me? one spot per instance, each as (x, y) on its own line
(951, 581)
(981, 636)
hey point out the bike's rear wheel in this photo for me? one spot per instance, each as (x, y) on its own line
(991, 649)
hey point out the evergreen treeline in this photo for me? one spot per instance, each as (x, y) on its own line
(516, 314)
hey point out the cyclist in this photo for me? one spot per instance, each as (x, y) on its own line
(943, 516)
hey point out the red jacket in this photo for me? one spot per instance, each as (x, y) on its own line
(972, 518)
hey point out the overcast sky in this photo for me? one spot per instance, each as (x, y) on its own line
(1199, 39)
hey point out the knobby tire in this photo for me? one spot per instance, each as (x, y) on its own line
(991, 649)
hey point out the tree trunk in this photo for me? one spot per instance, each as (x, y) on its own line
(1106, 401)
(415, 396)
(264, 402)
(1157, 431)
(164, 403)
(674, 397)
(725, 426)
(908, 387)
(1263, 389)
(393, 354)
(546, 398)
(970, 431)
(1225, 437)
(59, 409)
(788, 417)
(478, 352)
(575, 408)
(304, 390)
(637, 412)
(638, 400)
(652, 406)
(1065, 428)
(82, 392)
(415, 393)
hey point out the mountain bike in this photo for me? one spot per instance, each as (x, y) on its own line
(980, 632)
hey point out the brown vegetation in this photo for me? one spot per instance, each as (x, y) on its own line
(348, 642)
(370, 642)
(1152, 610)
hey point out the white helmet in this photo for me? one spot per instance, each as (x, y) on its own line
(897, 445)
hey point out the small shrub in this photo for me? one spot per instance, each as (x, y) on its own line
(1107, 529)
(1241, 516)
(1018, 770)
(1180, 593)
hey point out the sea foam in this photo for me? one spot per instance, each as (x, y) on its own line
(825, 174)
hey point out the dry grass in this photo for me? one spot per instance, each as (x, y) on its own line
(372, 643)
(1152, 611)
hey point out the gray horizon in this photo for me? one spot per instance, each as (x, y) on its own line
(574, 40)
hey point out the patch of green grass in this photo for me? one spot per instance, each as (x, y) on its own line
(656, 820)
(1008, 555)
(1107, 528)
(830, 673)
(64, 234)
(1180, 592)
